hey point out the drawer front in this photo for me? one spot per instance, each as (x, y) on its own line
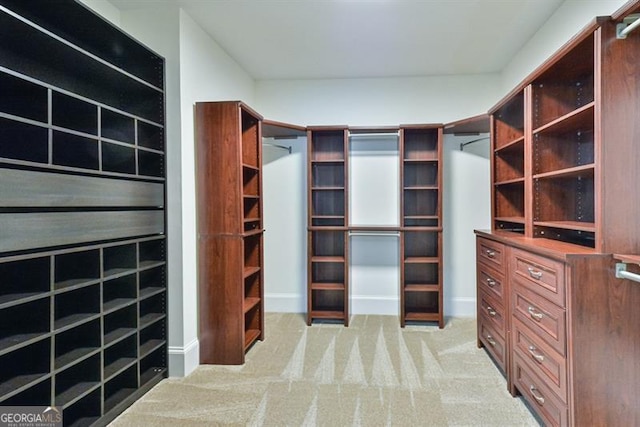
(493, 312)
(544, 318)
(490, 253)
(541, 358)
(490, 281)
(542, 275)
(552, 411)
(494, 344)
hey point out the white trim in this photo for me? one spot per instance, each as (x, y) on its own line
(184, 360)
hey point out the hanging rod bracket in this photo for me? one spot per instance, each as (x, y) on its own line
(628, 24)
(622, 273)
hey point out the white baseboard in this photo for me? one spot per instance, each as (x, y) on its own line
(285, 303)
(184, 360)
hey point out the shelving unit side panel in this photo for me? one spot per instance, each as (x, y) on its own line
(220, 300)
(218, 168)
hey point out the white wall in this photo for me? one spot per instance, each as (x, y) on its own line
(376, 102)
(569, 19)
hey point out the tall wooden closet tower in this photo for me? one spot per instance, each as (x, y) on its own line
(230, 230)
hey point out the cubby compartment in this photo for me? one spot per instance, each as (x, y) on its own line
(78, 381)
(152, 282)
(150, 136)
(22, 141)
(38, 394)
(508, 123)
(19, 326)
(420, 203)
(151, 253)
(565, 86)
(85, 412)
(252, 251)
(250, 181)
(567, 201)
(420, 305)
(120, 325)
(252, 322)
(567, 145)
(337, 221)
(421, 273)
(509, 163)
(23, 368)
(117, 126)
(118, 158)
(119, 292)
(152, 339)
(421, 246)
(332, 302)
(152, 365)
(328, 243)
(22, 98)
(75, 151)
(24, 280)
(74, 345)
(72, 113)
(570, 235)
(329, 203)
(327, 145)
(150, 164)
(420, 175)
(251, 214)
(250, 143)
(77, 306)
(119, 260)
(328, 273)
(328, 174)
(120, 387)
(252, 289)
(152, 310)
(509, 202)
(120, 356)
(420, 144)
(76, 269)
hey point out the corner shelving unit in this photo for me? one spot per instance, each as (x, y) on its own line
(82, 197)
(230, 231)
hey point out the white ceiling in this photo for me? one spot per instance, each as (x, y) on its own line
(306, 39)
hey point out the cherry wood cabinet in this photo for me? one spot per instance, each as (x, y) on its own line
(230, 230)
(564, 155)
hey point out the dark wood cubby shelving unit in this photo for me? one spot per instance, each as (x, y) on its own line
(230, 230)
(552, 313)
(83, 300)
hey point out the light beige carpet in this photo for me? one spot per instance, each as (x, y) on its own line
(372, 373)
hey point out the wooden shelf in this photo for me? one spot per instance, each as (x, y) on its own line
(513, 219)
(321, 286)
(327, 314)
(568, 225)
(629, 259)
(250, 336)
(421, 260)
(422, 316)
(250, 303)
(514, 181)
(336, 259)
(567, 121)
(574, 172)
(515, 144)
(422, 288)
(249, 271)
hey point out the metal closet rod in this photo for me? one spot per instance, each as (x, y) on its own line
(284, 147)
(464, 144)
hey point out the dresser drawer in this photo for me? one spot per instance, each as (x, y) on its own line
(541, 358)
(490, 281)
(542, 275)
(493, 342)
(490, 253)
(552, 411)
(547, 320)
(493, 312)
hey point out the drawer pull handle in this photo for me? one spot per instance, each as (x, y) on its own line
(491, 340)
(536, 395)
(491, 282)
(536, 354)
(490, 253)
(535, 315)
(491, 311)
(534, 273)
